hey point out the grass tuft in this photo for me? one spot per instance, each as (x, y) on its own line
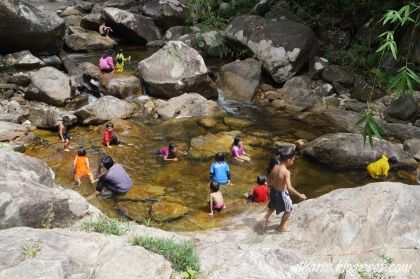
(182, 255)
(107, 226)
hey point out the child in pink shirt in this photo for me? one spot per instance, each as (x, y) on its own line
(238, 151)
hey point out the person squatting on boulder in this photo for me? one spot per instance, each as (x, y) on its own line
(104, 30)
(380, 168)
(115, 178)
(280, 183)
(106, 64)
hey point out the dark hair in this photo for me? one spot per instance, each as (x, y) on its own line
(393, 160)
(109, 125)
(66, 119)
(171, 154)
(236, 140)
(108, 53)
(171, 146)
(81, 151)
(220, 157)
(287, 153)
(261, 179)
(279, 150)
(214, 186)
(102, 22)
(107, 161)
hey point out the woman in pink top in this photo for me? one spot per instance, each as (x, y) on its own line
(238, 151)
(106, 64)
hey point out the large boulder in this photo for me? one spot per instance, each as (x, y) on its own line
(24, 59)
(402, 107)
(29, 196)
(61, 253)
(23, 26)
(340, 74)
(176, 69)
(83, 39)
(284, 47)
(91, 21)
(297, 91)
(347, 150)
(166, 13)
(121, 86)
(104, 109)
(132, 27)
(186, 105)
(412, 146)
(331, 237)
(51, 86)
(239, 80)
(16, 133)
(48, 117)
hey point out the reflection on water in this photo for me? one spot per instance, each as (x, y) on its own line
(186, 182)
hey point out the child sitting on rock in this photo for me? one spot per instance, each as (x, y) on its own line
(109, 138)
(216, 198)
(63, 134)
(261, 191)
(81, 167)
(170, 153)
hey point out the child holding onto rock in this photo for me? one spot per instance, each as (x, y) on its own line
(63, 134)
(216, 198)
(170, 153)
(81, 167)
(238, 151)
(261, 191)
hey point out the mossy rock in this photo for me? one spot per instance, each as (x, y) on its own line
(207, 146)
(137, 211)
(207, 122)
(364, 93)
(143, 193)
(164, 211)
(237, 122)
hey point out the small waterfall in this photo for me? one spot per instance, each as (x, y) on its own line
(232, 106)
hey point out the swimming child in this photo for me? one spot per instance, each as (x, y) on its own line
(216, 198)
(219, 170)
(63, 134)
(238, 151)
(104, 30)
(81, 167)
(280, 183)
(120, 61)
(106, 64)
(170, 153)
(261, 191)
(379, 169)
(109, 138)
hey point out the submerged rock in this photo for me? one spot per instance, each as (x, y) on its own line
(23, 26)
(105, 109)
(346, 150)
(61, 253)
(137, 211)
(284, 47)
(143, 193)
(203, 147)
(186, 105)
(163, 211)
(239, 80)
(176, 69)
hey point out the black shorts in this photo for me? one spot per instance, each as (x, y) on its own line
(66, 136)
(280, 201)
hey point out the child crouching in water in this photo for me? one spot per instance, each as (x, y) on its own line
(170, 153)
(261, 192)
(81, 167)
(216, 198)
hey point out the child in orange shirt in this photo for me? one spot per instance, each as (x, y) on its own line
(81, 167)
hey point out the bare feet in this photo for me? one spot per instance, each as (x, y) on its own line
(283, 229)
(94, 181)
(66, 149)
(70, 147)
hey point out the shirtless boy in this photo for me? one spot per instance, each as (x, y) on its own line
(280, 201)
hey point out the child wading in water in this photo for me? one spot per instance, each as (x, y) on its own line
(219, 170)
(238, 151)
(170, 153)
(81, 167)
(280, 201)
(109, 138)
(62, 132)
(216, 198)
(120, 61)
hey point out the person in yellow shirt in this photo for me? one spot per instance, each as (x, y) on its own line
(120, 59)
(379, 169)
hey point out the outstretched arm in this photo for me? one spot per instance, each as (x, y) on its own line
(291, 189)
(60, 132)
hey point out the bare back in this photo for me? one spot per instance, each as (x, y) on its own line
(279, 178)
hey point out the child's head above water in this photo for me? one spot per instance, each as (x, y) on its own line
(81, 151)
(109, 125)
(214, 187)
(237, 140)
(220, 157)
(172, 147)
(261, 180)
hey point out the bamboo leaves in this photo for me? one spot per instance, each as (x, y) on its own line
(371, 129)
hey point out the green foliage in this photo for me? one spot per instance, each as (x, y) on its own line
(371, 127)
(403, 80)
(107, 226)
(31, 250)
(367, 274)
(47, 223)
(147, 222)
(220, 45)
(6, 67)
(182, 255)
(357, 55)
